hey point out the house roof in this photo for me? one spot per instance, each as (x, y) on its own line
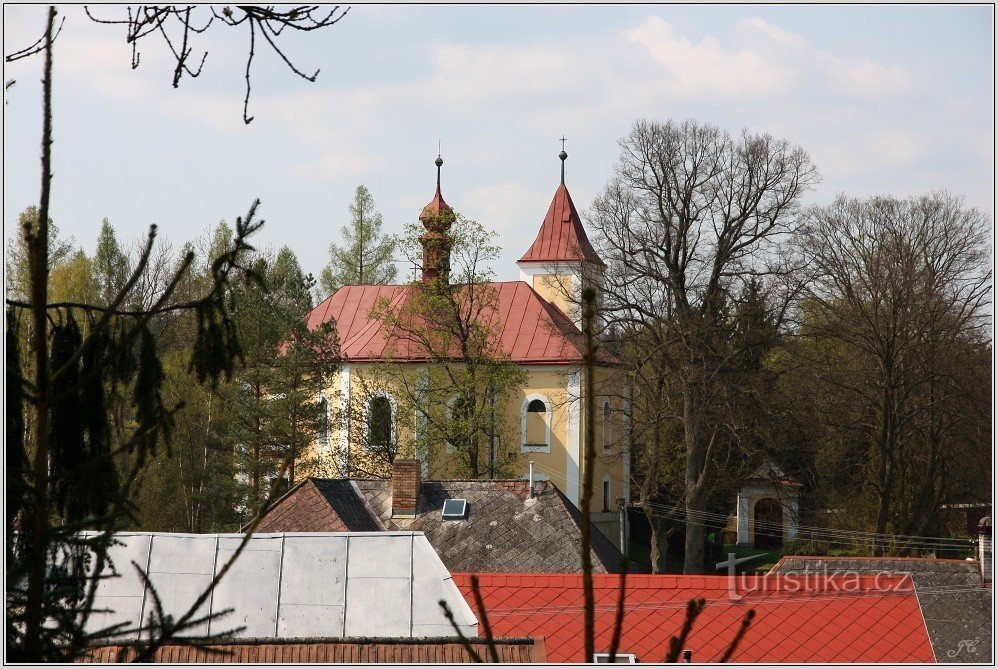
(330, 585)
(562, 237)
(445, 650)
(504, 531)
(955, 602)
(531, 330)
(815, 624)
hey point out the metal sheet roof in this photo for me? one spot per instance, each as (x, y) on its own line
(531, 331)
(330, 585)
(562, 237)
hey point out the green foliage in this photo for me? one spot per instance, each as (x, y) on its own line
(366, 257)
(459, 397)
(110, 265)
(16, 273)
(274, 400)
(93, 455)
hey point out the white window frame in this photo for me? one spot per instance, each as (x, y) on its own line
(546, 448)
(367, 418)
(621, 658)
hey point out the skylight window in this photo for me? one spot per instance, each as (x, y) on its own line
(455, 509)
(621, 658)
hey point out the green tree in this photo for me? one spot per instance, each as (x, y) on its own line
(275, 402)
(459, 396)
(366, 257)
(16, 262)
(111, 265)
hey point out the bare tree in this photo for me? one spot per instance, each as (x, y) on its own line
(898, 286)
(180, 26)
(689, 216)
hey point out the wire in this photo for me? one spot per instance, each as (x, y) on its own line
(816, 533)
(811, 533)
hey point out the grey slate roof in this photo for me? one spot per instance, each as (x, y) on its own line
(504, 531)
(955, 603)
(330, 585)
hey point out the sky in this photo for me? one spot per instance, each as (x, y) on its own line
(892, 100)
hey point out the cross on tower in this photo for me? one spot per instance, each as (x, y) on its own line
(563, 140)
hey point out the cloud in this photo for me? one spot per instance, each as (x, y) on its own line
(758, 60)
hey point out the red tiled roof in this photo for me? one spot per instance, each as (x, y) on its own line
(561, 237)
(532, 331)
(832, 619)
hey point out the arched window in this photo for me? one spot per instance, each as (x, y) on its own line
(536, 425)
(606, 430)
(380, 421)
(460, 416)
(323, 425)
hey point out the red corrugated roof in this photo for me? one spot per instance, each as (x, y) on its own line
(829, 619)
(561, 237)
(531, 330)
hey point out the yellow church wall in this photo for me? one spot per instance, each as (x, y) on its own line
(557, 289)
(562, 462)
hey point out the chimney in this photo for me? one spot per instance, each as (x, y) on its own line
(405, 488)
(985, 551)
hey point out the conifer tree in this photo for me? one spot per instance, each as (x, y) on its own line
(110, 263)
(275, 402)
(366, 257)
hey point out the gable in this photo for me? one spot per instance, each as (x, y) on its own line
(320, 505)
(504, 530)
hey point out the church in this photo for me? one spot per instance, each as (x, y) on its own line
(537, 323)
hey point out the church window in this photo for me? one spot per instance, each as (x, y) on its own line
(460, 417)
(536, 418)
(607, 435)
(323, 420)
(606, 493)
(379, 422)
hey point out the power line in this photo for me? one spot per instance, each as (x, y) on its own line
(812, 533)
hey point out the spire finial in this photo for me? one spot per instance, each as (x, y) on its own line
(563, 156)
(438, 162)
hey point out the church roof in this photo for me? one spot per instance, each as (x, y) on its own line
(562, 237)
(531, 330)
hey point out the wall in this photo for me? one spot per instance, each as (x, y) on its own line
(560, 387)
